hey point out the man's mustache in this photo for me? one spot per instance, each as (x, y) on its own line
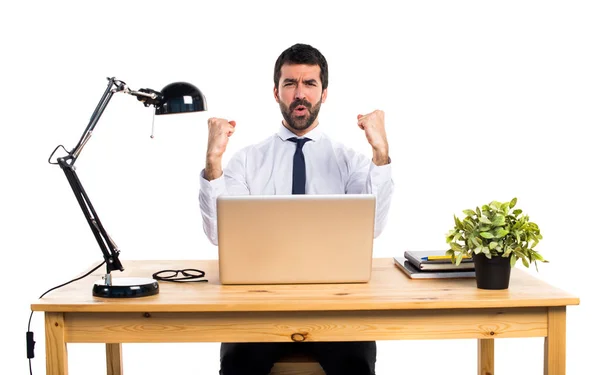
(298, 102)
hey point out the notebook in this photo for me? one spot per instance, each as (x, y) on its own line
(420, 259)
(414, 273)
(295, 239)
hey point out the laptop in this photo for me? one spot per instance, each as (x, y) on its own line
(295, 239)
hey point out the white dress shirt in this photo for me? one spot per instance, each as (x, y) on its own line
(266, 169)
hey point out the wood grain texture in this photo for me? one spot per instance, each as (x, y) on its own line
(389, 289)
(114, 359)
(56, 347)
(307, 326)
(485, 357)
(555, 343)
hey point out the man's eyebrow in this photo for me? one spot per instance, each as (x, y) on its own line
(306, 81)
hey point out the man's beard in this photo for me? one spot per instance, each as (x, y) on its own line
(302, 122)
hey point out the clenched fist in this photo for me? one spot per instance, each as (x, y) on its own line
(374, 126)
(219, 131)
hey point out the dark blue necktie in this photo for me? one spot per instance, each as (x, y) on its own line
(299, 172)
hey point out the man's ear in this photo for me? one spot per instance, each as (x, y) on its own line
(324, 96)
(276, 94)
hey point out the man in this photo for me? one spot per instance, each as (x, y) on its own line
(299, 159)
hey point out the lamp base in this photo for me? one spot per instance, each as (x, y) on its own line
(126, 287)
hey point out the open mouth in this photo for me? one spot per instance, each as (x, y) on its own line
(300, 110)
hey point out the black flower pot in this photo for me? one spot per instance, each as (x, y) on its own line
(492, 273)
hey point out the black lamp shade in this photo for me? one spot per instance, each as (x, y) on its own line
(180, 97)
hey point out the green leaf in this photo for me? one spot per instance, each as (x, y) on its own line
(487, 235)
(493, 245)
(537, 256)
(478, 211)
(459, 258)
(485, 220)
(513, 260)
(458, 223)
(513, 203)
(456, 247)
(525, 262)
(501, 233)
(472, 241)
(518, 212)
(469, 212)
(498, 220)
(468, 224)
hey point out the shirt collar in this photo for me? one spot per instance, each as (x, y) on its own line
(284, 133)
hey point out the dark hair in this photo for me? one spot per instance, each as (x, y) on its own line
(302, 54)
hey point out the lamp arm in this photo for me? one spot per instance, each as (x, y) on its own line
(107, 246)
(87, 133)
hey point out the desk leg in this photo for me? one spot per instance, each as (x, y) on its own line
(485, 357)
(56, 347)
(114, 359)
(555, 349)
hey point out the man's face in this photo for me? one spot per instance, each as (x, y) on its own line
(300, 95)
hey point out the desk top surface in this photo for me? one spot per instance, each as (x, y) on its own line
(389, 289)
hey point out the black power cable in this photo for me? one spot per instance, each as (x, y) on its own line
(29, 334)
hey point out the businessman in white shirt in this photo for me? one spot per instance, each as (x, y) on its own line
(298, 159)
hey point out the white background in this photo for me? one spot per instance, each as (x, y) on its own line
(483, 100)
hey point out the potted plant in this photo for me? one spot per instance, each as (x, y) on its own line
(496, 237)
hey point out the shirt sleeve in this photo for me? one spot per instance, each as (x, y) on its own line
(231, 182)
(367, 178)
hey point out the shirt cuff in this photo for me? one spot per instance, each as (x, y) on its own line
(380, 174)
(215, 187)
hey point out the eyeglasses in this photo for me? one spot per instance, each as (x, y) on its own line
(190, 275)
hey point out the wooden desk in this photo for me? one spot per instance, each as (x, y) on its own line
(390, 307)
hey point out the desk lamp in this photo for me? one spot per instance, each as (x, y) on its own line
(178, 97)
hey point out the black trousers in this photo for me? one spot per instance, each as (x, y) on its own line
(336, 358)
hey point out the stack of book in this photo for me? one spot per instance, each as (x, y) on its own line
(433, 265)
